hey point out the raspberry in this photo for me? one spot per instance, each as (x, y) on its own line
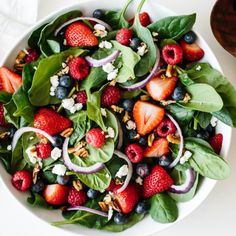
(165, 128)
(81, 97)
(111, 96)
(2, 119)
(78, 68)
(32, 55)
(124, 36)
(21, 180)
(111, 186)
(216, 142)
(95, 137)
(144, 19)
(172, 54)
(134, 153)
(76, 198)
(43, 150)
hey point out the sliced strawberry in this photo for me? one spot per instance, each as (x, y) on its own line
(161, 88)
(159, 148)
(216, 142)
(147, 116)
(9, 81)
(192, 52)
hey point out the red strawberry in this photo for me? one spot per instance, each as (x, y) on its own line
(79, 34)
(134, 152)
(192, 52)
(144, 19)
(95, 137)
(2, 118)
(9, 81)
(157, 182)
(161, 88)
(172, 54)
(165, 128)
(112, 186)
(110, 96)
(216, 142)
(124, 36)
(77, 198)
(81, 97)
(159, 148)
(147, 116)
(43, 150)
(21, 180)
(128, 198)
(56, 194)
(50, 121)
(78, 68)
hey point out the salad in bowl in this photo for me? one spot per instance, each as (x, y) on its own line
(110, 119)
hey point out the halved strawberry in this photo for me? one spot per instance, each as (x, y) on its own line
(192, 52)
(9, 81)
(147, 116)
(159, 148)
(161, 88)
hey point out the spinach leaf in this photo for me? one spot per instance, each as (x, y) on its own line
(131, 94)
(5, 155)
(206, 162)
(163, 208)
(49, 177)
(54, 45)
(203, 98)
(34, 37)
(203, 119)
(147, 61)
(37, 200)
(185, 80)
(9, 110)
(114, 165)
(111, 121)
(129, 61)
(173, 27)
(5, 97)
(48, 30)
(27, 75)
(165, 42)
(226, 116)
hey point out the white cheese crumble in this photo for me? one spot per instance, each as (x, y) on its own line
(198, 68)
(108, 68)
(78, 106)
(214, 121)
(142, 49)
(123, 171)
(100, 30)
(56, 153)
(112, 75)
(59, 169)
(69, 104)
(130, 125)
(64, 65)
(9, 147)
(139, 180)
(54, 81)
(32, 155)
(110, 133)
(185, 157)
(103, 111)
(105, 44)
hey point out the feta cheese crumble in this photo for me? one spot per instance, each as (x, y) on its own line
(110, 133)
(108, 68)
(185, 157)
(142, 49)
(69, 104)
(32, 155)
(123, 171)
(9, 147)
(56, 153)
(100, 30)
(131, 125)
(105, 44)
(54, 81)
(103, 111)
(59, 169)
(214, 121)
(198, 68)
(112, 75)
(139, 180)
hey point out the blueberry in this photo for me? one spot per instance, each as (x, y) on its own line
(61, 92)
(62, 32)
(203, 134)
(58, 141)
(128, 104)
(12, 132)
(190, 37)
(38, 187)
(63, 180)
(164, 161)
(143, 141)
(135, 43)
(65, 81)
(92, 194)
(178, 93)
(210, 129)
(142, 207)
(98, 13)
(132, 134)
(142, 170)
(120, 219)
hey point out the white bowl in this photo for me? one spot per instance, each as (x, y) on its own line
(146, 226)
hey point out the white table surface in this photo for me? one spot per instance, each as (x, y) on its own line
(216, 216)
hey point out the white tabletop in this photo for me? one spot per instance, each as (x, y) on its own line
(216, 216)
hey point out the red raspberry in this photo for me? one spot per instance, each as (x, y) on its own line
(78, 68)
(2, 119)
(110, 96)
(172, 54)
(134, 152)
(81, 97)
(43, 150)
(165, 128)
(95, 137)
(144, 19)
(111, 186)
(76, 198)
(124, 36)
(21, 180)
(216, 142)
(32, 55)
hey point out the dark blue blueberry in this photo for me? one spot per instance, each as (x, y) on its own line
(210, 129)
(62, 32)
(38, 187)
(142, 170)
(143, 141)
(92, 194)
(63, 180)
(142, 207)
(66, 81)
(132, 134)
(58, 141)
(164, 161)
(203, 134)
(178, 93)
(120, 219)
(98, 13)
(190, 37)
(128, 104)
(61, 92)
(12, 132)
(135, 43)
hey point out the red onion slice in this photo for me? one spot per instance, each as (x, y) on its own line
(142, 83)
(181, 145)
(129, 175)
(97, 63)
(78, 169)
(91, 210)
(23, 130)
(187, 185)
(120, 135)
(82, 18)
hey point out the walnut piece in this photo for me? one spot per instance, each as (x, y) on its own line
(67, 132)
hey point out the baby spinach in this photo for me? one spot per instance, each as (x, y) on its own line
(5, 155)
(147, 61)
(34, 37)
(163, 208)
(27, 75)
(54, 45)
(9, 110)
(203, 118)
(131, 94)
(5, 97)
(173, 27)
(37, 200)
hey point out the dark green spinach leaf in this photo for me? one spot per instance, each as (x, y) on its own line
(5, 97)
(37, 200)
(34, 37)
